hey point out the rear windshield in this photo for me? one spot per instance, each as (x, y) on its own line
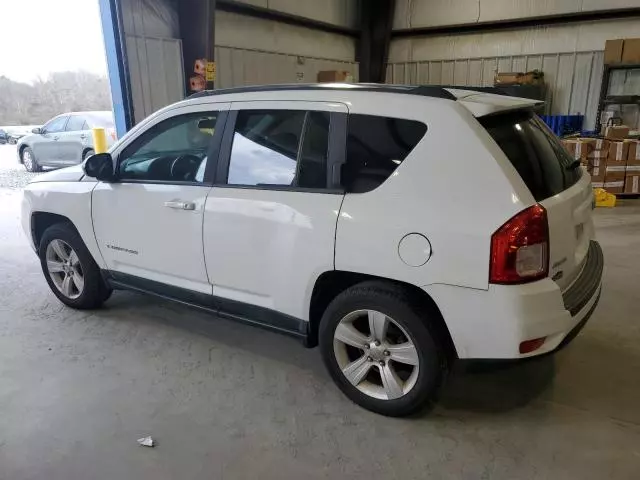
(535, 152)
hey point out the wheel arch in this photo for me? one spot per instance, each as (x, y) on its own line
(21, 149)
(40, 221)
(331, 283)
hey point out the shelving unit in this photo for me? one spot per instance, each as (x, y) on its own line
(607, 99)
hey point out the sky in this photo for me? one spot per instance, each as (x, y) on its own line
(38, 37)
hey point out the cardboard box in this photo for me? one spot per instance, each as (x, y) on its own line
(614, 178)
(519, 78)
(334, 76)
(618, 153)
(602, 144)
(598, 154)
(633, 157)
(632, 183)
(616, 132)
(597, 174)
(579, 148)
(631, 50)
(613, 51)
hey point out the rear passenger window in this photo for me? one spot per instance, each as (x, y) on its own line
(280, 148)
(375, 147)
(75, 124)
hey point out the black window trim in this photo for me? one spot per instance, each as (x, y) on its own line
(335, 154)
(212, 153)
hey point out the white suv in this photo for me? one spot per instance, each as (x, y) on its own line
(397, 227)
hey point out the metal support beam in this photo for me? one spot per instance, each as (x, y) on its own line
(277, 16)
(519, 23)
(117, 64)
(197, 30)
(376, 21)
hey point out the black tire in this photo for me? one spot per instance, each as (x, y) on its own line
(95, 291)
(397, 303)
(30, 166)
(88, 153)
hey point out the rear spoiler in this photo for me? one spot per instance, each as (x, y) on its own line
(481, 101)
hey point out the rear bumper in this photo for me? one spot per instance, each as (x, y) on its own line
(491, 324)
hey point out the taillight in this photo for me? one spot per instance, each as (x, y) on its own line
(112, 133)
(520, 248)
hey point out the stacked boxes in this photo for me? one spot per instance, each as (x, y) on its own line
(616, 166)
(613, 164)
(632, 178)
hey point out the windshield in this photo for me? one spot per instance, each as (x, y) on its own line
(535, 152)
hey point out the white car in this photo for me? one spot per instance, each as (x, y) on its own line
(398, 227)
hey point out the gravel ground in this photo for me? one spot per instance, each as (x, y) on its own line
(12, 173)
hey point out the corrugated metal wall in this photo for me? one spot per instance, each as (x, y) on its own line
(422, 13)
(573, 79)
(155, 73)
(240, 66)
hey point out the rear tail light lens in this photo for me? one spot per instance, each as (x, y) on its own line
(520, 248)
(531, 345)
(112, 133)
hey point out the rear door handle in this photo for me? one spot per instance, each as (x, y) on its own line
(180, 205)
(83, 136)
(56, 138)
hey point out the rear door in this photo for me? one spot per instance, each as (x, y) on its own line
(556, 181)
(71, 142)
(270, 219)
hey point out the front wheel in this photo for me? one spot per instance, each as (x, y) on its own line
(29, 160)
(378, 348)
(72, 274)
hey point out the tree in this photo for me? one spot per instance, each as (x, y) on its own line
(23, 104)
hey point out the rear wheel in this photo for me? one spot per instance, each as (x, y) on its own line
(87, 154)
(377, 345)
(72, 274)
(29, 160)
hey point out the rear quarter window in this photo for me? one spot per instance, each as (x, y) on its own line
(376, 145)
(534, 151)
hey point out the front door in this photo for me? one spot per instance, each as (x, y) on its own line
(270, 220)
(148, 224)
(46, 146)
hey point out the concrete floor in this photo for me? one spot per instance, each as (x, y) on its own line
(224, 400)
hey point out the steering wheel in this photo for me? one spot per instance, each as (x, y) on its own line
(185, 167)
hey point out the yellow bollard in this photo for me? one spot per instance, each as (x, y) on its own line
(99, 140)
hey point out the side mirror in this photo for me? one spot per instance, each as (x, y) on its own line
(37, 131)
(100, 166)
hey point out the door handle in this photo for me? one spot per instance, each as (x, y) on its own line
(180, 205)
(56, 138)
(83, 136)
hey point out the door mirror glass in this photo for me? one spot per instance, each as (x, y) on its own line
(99, 166)
(37, 131)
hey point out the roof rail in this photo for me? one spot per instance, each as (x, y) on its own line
(426, 91)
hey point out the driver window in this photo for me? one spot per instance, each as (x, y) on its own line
(56, 125)
(174, 150)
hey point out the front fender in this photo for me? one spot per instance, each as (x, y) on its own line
(68, 199)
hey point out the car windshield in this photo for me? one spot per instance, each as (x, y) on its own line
(100, 119)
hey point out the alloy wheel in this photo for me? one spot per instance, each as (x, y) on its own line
(27, 159)
(376, 355)
(65, 269)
